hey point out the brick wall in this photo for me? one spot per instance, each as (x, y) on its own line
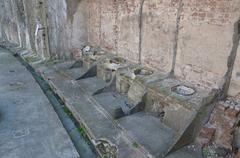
(205, 40)
(191, 37)
(201, 38)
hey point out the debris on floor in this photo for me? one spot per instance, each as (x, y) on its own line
(220, 136)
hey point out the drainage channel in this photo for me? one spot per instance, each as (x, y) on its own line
(77, 133)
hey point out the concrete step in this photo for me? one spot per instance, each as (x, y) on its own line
(113, 103)
(75, 72)
(149, 131)
(92, 84)
(191, 151)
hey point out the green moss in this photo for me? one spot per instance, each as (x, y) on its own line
(135, 145)
(66, 110)
(205, 152)
(82, 130)
(28, 59)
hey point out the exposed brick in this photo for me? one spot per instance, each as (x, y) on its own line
(232, 113)
(221, 107)
(237, 155)
(207, 134)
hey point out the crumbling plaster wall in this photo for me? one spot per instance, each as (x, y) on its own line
(9, 20)
(67, 25)
(205, 40)
(191, 39)
(159, 29)
(114, 26)
(32, 23)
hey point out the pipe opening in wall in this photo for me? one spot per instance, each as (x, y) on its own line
(86, 50)
(143, 72)
(114, 64)
(118, 61)
(183, 90)
(161, 114)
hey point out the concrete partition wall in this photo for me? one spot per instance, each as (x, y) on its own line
(205, 40)
(158, 33)
(235, 82)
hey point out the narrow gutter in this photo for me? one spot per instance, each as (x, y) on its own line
(76, 133)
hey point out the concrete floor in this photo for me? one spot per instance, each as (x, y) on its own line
(29, 126)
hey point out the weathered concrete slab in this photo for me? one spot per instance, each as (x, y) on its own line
(149, 132)
(186, 152)
(76, 72)
(92, 84)
(29, 127)
(113, 103)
